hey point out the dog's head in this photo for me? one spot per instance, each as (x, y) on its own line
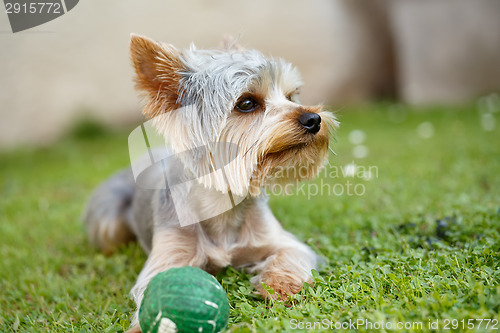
(233, 111)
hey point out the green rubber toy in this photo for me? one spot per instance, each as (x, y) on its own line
(184, 299)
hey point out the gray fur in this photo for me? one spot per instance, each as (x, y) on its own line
(109, 209)
(125, 202)
(216, 79)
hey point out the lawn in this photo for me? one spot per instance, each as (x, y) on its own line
(406, 216)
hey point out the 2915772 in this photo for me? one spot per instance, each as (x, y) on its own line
(33, 8)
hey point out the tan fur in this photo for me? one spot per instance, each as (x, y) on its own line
(109, 240)
(158, 67)
(280, 276)
(135, 329)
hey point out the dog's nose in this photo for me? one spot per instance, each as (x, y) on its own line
(310, 121)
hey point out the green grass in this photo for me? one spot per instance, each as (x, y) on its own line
(386, 257)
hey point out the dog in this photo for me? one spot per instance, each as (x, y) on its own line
(233, 127)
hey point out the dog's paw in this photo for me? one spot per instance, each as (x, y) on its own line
(276, 285)
(135, 329)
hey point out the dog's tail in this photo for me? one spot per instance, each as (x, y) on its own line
(108, 212)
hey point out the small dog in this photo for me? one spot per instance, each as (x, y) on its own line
(233, 126)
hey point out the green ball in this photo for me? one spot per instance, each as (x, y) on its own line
(184, 299)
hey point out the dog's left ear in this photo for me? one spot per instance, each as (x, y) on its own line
(158, 67)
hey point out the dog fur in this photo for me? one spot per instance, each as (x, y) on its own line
(198, 100)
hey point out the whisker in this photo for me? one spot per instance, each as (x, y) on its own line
(334, 153)
(253, 144)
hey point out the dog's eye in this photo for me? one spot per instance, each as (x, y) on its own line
(292, 97)
(247, 105)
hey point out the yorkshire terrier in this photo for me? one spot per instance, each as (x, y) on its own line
(233, 126)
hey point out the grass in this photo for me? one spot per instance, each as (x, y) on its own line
(421, 244)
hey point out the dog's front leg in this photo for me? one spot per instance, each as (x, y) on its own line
(287, 267)
(172, 247)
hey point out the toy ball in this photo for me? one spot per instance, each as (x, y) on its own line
(184, 299)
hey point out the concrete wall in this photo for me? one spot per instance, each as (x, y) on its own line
(448, 50)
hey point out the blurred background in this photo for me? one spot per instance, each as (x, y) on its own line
(349, 51)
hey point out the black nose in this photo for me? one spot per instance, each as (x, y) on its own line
(310, 121)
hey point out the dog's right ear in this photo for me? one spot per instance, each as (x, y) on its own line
(158, 67)
(229, 43)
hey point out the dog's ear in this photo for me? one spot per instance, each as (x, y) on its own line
(229, 43)
(158, 67)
